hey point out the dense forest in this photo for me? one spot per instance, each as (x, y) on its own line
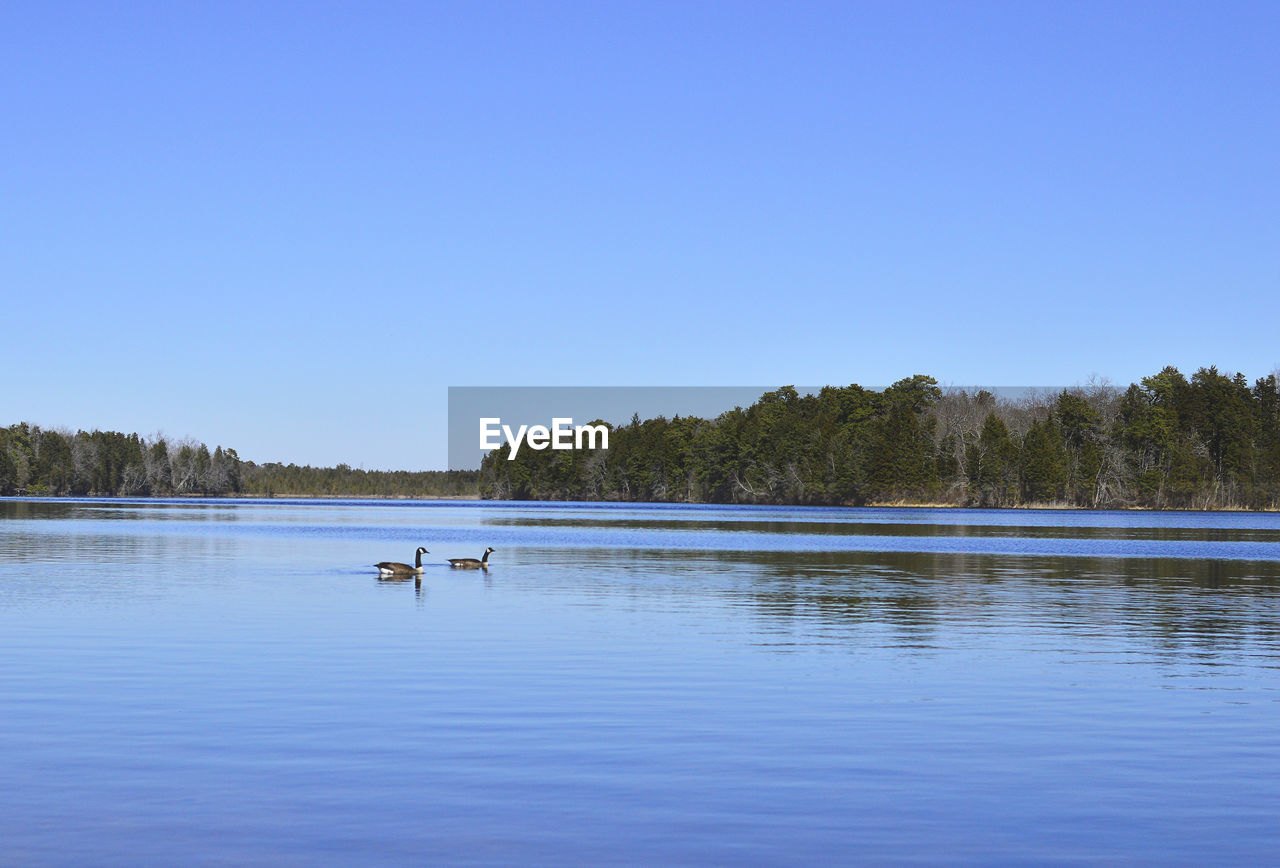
(1210, 442)
(38, 461)
(1168, 442)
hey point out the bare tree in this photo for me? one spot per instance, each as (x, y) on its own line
(84, 461)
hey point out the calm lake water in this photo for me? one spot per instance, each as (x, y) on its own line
(192, 682)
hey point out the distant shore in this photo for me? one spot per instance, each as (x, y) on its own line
(1063, 507)
(896, 504)
(243, 496)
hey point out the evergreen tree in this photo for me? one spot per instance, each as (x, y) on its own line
(992, 465)
(1045, 463)
(1081, 427)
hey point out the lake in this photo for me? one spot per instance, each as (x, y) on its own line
(230, 682)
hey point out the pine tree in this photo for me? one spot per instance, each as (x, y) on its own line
(1044, 463)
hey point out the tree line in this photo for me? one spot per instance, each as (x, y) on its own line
(1167, 442)
(44, 461)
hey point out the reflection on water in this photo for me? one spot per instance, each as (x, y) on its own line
(1146, 535)
(914, 529)
(228, 681)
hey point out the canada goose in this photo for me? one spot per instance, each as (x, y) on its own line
(392, 568)
(472, 563)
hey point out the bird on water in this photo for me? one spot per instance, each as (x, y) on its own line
(395, 568)
(472, 563)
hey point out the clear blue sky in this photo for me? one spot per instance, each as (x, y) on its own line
(289, 227)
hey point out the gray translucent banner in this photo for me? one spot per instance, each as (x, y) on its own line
(529, 406)
(540, 405)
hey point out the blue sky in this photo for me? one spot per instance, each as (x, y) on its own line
(289, 228)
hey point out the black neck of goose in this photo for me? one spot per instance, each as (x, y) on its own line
(417, 558)
(485, 559)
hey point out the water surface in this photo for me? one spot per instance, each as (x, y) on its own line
(196, 682)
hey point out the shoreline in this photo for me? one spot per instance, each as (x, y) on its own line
(897, 504)
(241, 496)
